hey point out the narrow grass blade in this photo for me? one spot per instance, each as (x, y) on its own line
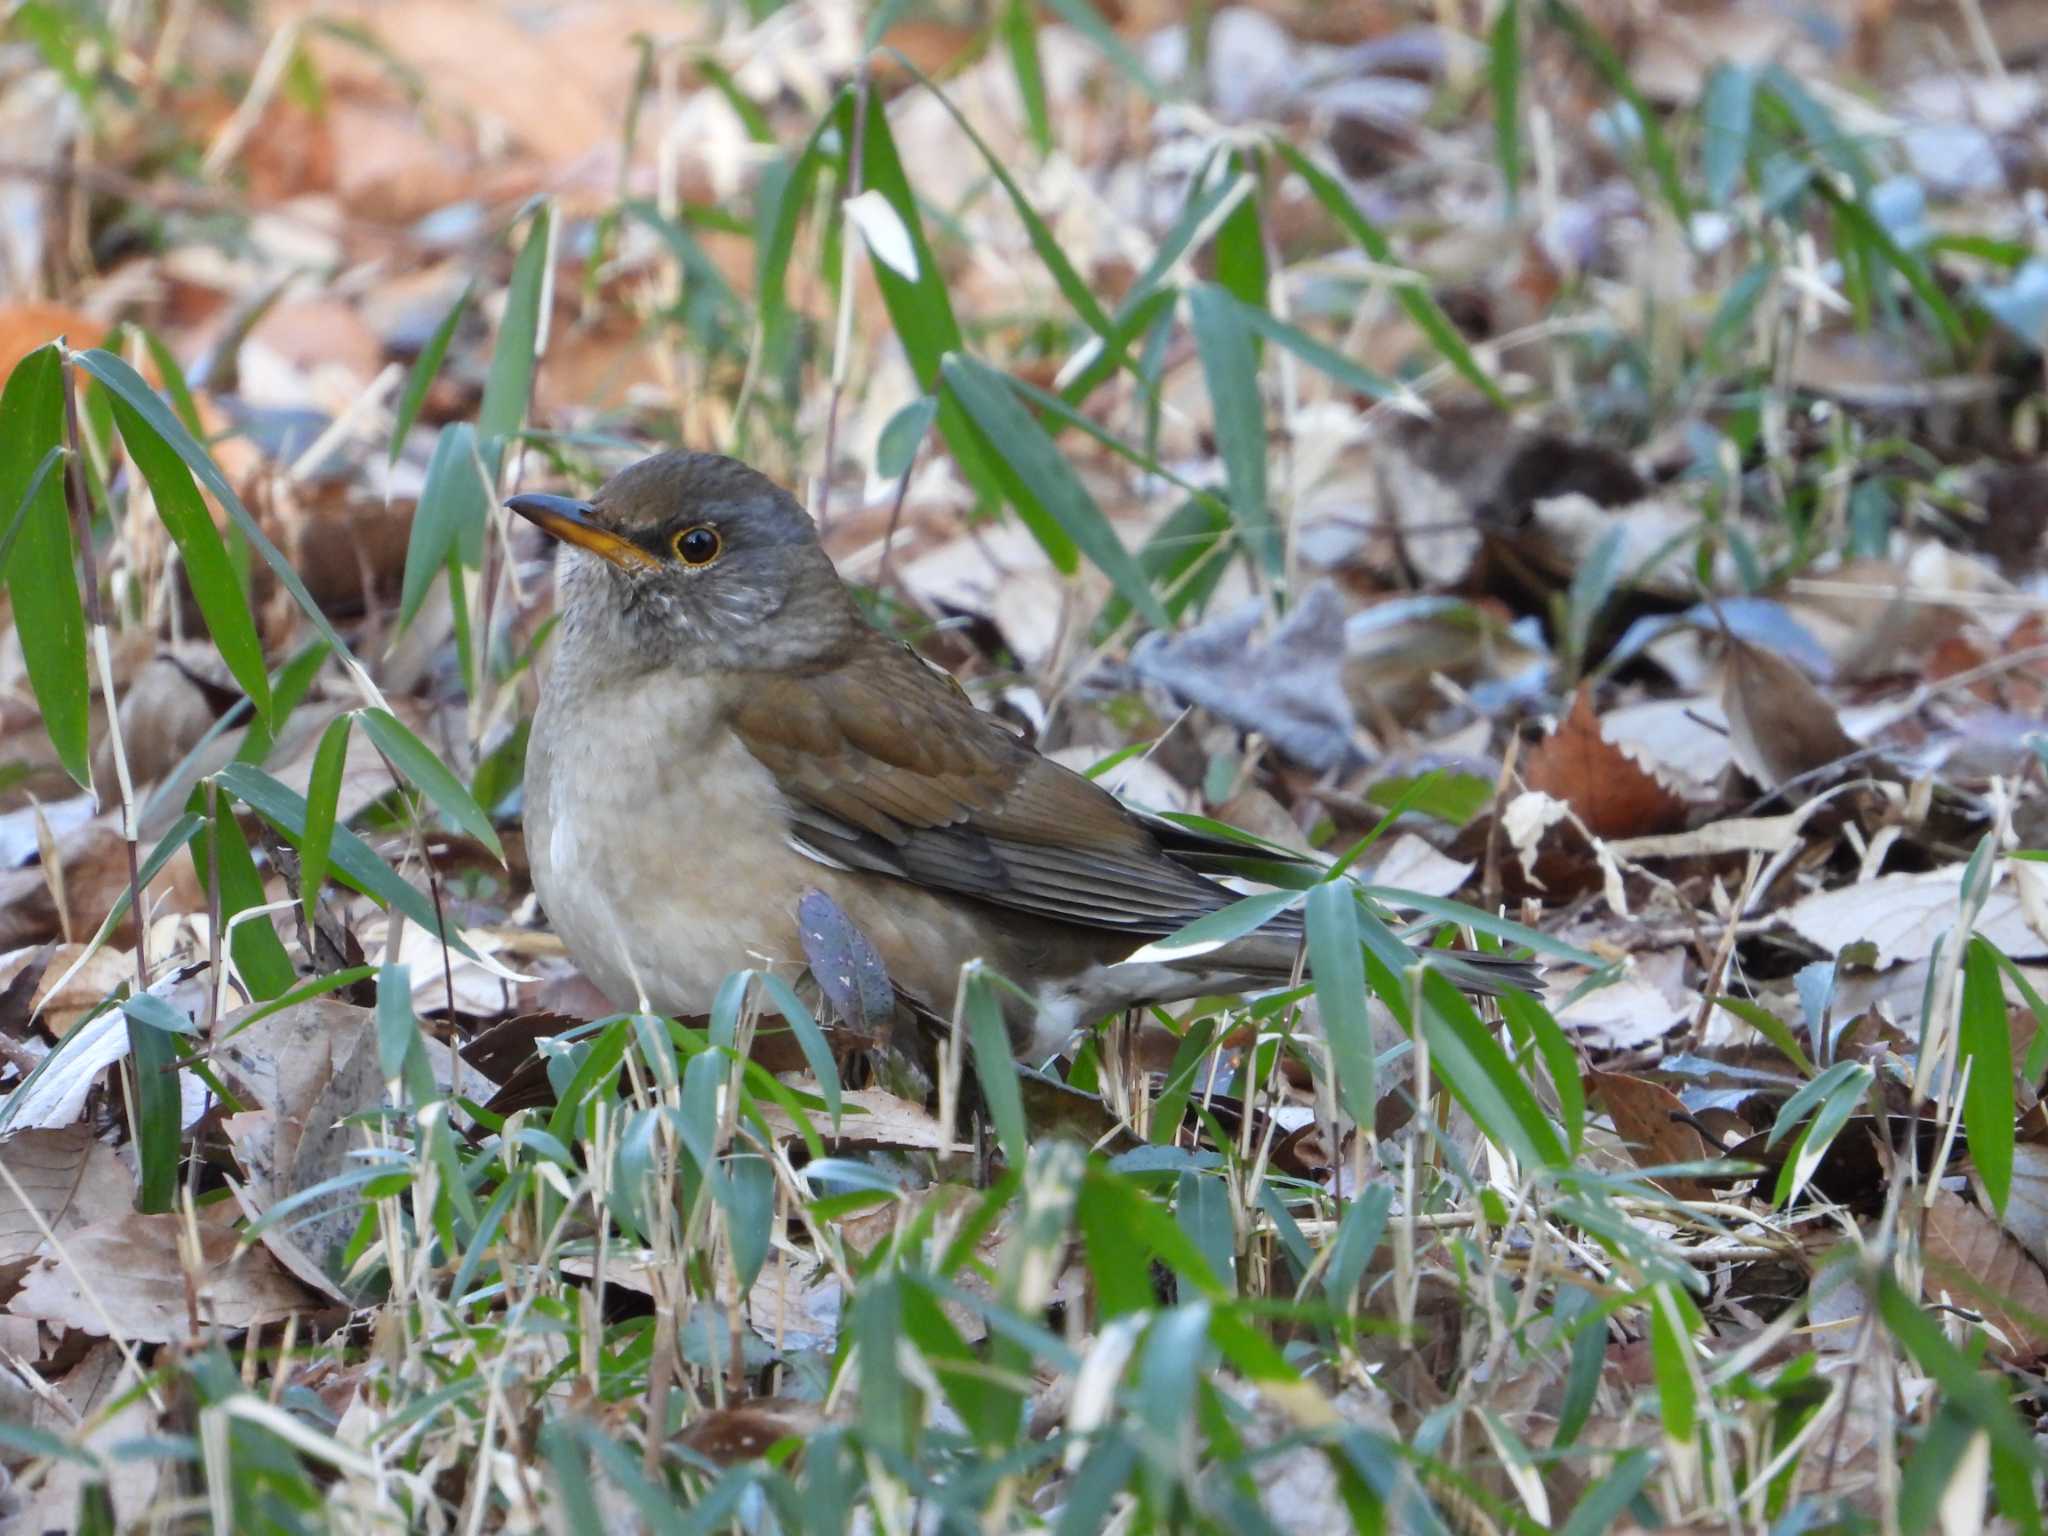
(1421, 306)
(1729, 109)
(1068, 516)
(416, 761)
(323, 793)
(42, 575)
(452, 508)
(1984, 1040)
(1504, 71)
(426, 367)
(1656, 148)
(508, 388)
(1019, 29)
(995, 1067)
(351, 858)
(130, 387)
(1337, 961)
(215, 584)
(1231, 369)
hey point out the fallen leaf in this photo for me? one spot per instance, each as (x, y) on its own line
(1779, 725)
(1985, 1268)
(129, 1276)
(1652, 1123)
(69, 1179)
(1613, 794)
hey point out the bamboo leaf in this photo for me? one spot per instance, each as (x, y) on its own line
(1075, 522)
(42, 577)
(1984, 1040)
(1230, 367)
(1337, 962)
(130, 387)
(508, 388)
(424, 370)
(416, 761)
(323, 793)
(216, 586)
(1420, 304)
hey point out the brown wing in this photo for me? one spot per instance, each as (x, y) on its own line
(887, 767)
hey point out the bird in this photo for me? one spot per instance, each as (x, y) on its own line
(721, 733)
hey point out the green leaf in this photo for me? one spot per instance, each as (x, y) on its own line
(1504, 70)
(1239, 243)
(157, 1107)
(1085, 19)
(1531, 1024)
(129, 386)
(1656, 148)
(508, 388)
(1984, 1040)
(1483, 1078)
(424, 369)
(896, 449)
(1325, 360)
(1730, 108)
(809, 1038)
(1867, 231)
(1215, 929)
(1671, 1363)
(1076, 522)
(42, 578)
(1450, 797)
(1231, 369)
(1420, 304)
(1963, 1382)
(1020, 36)
(1836, 1093)
(174, 383)
(1337, 962)
(1771, 1027)
(398, 1029)
(216, 586)
(1171, 1105)
(416, 761)
(453, 505)
(46, 467)
(995, 1066)
(323, 794)
(219, 848)
(1358, 1236)
(353, 859)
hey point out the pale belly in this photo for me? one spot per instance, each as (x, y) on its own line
(662, 868)
(662, 854)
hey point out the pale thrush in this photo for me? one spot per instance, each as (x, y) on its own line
(721, 731)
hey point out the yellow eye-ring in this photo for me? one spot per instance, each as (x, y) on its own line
(699, 545)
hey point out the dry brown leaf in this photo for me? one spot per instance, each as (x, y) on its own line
(306, 1069)
(70, 1179)
(129, 1275)
(1613, 794)
(1779, 725)
(1983, 1267)
(1651, 1120)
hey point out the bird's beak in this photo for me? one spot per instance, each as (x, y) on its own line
(571, 522)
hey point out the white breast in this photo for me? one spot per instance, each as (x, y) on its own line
(660, 839)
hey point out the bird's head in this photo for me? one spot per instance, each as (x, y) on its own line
(696, 561)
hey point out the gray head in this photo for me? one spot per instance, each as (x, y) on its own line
(693, 560)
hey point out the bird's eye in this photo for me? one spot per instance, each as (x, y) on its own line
(699, 545)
